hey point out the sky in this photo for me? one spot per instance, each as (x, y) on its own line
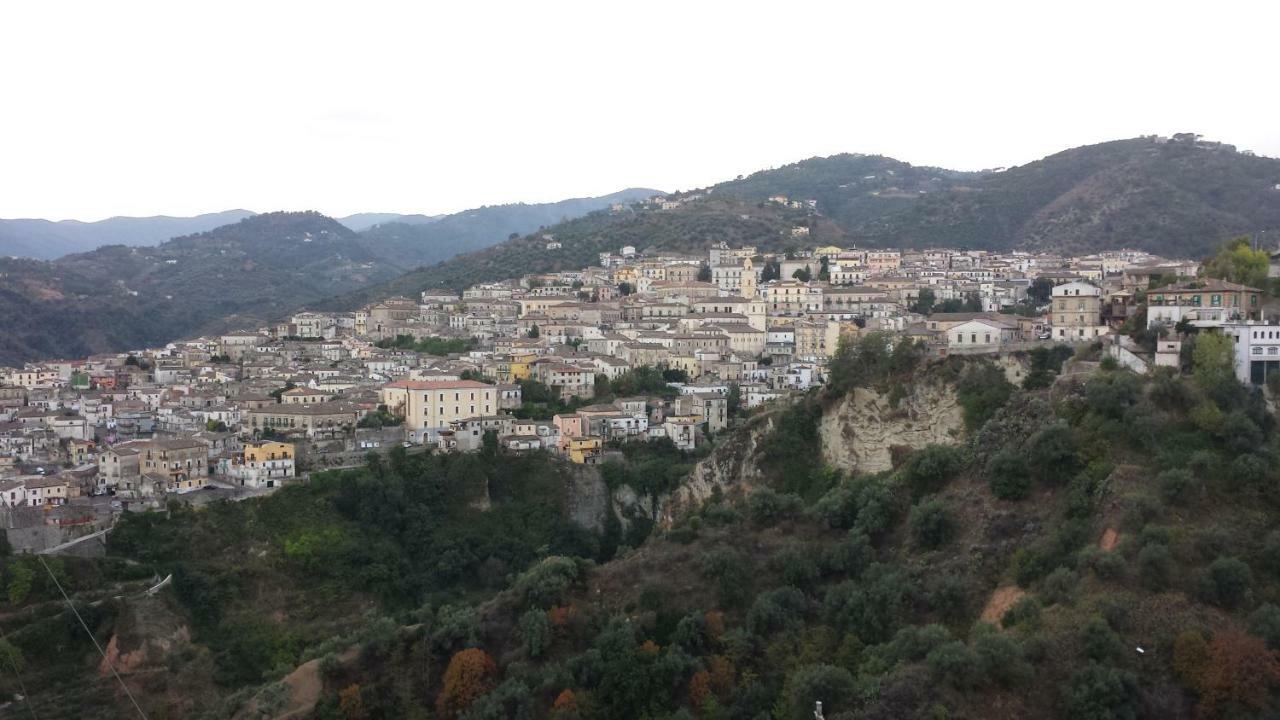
(138, 108)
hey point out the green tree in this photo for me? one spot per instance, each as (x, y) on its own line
(704, 273)
(534, 331)
(803, 275)
(832, 686)
(924, 301)
(1101, 692)
(1236, 261)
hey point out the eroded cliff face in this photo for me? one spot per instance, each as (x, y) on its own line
(732, 468)
(860, 430)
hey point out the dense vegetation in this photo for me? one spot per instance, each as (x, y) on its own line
(116, 298)
(1010, 575)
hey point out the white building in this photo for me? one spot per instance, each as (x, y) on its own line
(1257, 351)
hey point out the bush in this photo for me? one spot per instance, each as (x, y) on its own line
(1008, 476)
(766, 508)
(1025, 612)
(850, 556)
(1100, 692)
(1101, 643)
(1249, 470)
(949, 595)
(982, 390)
(1271, 554)
(869, 608)
(931, 524)
(953, 663)
(1190, 657)
(1265, 623)
(535, 632)
(546, 583)
(831, 685)
(781, 609)
(1176, 485)
(1061, 586)
(1155, 567)
(731, 570)
(1051, 454)
(798, 565)
(930, 468)
(1227, 582)
(1000, 657)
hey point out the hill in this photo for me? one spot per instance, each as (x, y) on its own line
(411, 244)
(117, 298)
(1177, 197)
(688, 229)
(47, 240)
(1006, 568)
(363, 221)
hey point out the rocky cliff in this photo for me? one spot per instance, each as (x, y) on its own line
(860, 431)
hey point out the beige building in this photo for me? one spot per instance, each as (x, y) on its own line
(429, 406)
(315, 419)
(1077, 312)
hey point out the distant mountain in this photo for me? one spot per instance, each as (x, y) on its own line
(1178, 197)
(117, 297)
(411, 244)
(363, 221)
(47, 240)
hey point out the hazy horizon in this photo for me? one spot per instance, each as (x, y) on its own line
(399, 108)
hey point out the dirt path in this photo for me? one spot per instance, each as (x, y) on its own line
(1001, 600)
(1110, 539)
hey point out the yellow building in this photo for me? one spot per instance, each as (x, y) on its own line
(265, 451)
(517, 367)
(583, 450)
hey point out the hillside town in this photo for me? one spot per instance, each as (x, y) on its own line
(641, 347)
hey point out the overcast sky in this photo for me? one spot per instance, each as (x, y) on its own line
(130, 108)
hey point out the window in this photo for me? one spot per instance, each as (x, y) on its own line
(1215, 300)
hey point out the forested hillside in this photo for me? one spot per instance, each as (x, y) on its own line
(1092, 545)
(689, 229)
(117, 298)
(1178, 197)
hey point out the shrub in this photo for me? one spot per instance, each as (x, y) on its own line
(1025, 612)
(1190, 657)
(1140, 509)
(1265, 623)
(982, 390)
(1008, 476)
(1000, 657)
(780, 609)
(766, 507)
(470, 674)
(535, 632)
(798, 565)
(949, 595)
(953, 663)
(1100, 692)
(1227, 582)
(869, 608)
(1249, 470)
(1101, 643)
(1238, 676)
(1155, 567)
(1271, 553)
(930, 468)
(912, 644)
(1203, 463)
(849, 556)
(546, 583)
(1051, 454)
(831, 685)
(931, 524)
(731, 570)
(1061, 586)
(1176, 485)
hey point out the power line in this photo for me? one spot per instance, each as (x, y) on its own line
(89, 632)
(26, 697)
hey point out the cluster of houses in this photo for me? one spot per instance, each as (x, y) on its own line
(253, 409)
